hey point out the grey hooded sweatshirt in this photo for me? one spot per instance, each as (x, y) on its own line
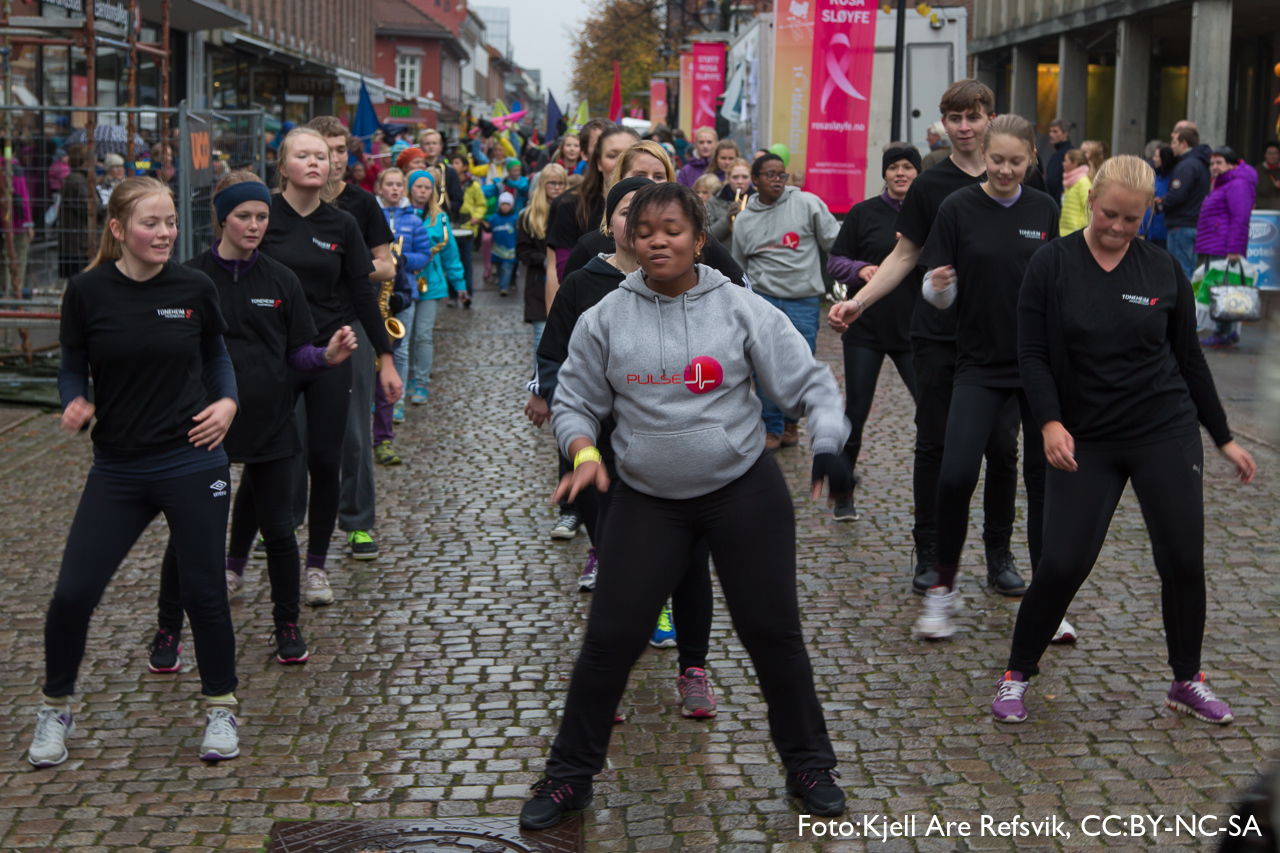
(777, 244)
(676, 376)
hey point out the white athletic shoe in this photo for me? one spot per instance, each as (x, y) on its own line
(935, 622)
(49, 743)
(221, 741)
(1066, 633)
(318, 590)
(235, 584)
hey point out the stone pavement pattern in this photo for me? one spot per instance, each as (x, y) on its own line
(436, 681)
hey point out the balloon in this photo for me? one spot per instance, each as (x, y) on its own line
(782, 151)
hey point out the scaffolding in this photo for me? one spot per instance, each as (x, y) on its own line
(18, 33)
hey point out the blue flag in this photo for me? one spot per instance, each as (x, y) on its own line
(366, 123)
(553, 117)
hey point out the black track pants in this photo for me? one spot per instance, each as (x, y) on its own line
(935, 368)
(750, 525)
(692, 601)
(322, 411)
(271, 484)
(112, 514)
(975, 416)
(861, 374)
(1078, 506)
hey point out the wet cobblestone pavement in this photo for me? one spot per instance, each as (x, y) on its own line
(435, 682)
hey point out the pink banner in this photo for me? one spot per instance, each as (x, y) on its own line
(844, 38)
(658, 101)
(708, 82)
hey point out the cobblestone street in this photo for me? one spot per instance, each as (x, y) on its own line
(436, 680)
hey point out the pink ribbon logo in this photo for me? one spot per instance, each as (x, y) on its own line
(838, 70)
(706, 104)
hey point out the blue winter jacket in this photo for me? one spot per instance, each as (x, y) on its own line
(1153, 227)
(446, 264)
(405, 222)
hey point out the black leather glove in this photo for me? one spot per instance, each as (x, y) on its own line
(833, 468)
(397, 302)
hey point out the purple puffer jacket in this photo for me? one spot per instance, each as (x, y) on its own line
(692, 170)
(1223, 228)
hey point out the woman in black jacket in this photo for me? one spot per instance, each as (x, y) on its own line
(531, 245)
(866, 238)
(1119, 387)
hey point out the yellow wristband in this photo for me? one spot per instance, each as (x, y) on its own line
(586, 454)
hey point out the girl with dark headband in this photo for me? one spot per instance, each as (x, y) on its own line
(866, 238)
(269, 334)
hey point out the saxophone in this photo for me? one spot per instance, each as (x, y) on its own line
(394, 327)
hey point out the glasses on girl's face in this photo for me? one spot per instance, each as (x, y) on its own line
(555, 183)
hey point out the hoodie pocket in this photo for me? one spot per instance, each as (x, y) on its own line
(680, 458)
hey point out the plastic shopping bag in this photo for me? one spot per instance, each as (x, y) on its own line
(1218, 272)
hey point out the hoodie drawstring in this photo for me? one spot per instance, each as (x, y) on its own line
(688, 351)
(662, 346)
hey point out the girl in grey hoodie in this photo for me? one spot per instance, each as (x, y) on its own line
(670, 355)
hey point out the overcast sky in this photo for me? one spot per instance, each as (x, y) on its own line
(541, 33)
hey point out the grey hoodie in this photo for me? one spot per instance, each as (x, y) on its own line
(676, 376)
(777, 244)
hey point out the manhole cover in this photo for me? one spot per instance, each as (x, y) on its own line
(470, 835)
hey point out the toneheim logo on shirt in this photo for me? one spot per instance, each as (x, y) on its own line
(175, 313)
(1033, 235)
(1139, 300)
(328, 247)
(266, 303)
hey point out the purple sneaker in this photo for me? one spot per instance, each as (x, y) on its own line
(1219, 341)
(587, 580)
(1195, 698)
(1008, 706)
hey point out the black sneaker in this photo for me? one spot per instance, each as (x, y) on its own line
(818, 788)
(290, 647)
(551, 801)
(926, 570)
(362, 546)
(260, 549)
(1002, 572)
(166, 652)
(845, 510)
(566, 525)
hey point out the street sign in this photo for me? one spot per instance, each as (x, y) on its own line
(401, 111)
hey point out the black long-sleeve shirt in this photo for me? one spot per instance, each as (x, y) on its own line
(1114, 355)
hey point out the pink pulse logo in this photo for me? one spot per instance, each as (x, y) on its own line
(703, 374)
(791, 240)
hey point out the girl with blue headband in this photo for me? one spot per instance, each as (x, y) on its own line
(444, 270)
(269, 337)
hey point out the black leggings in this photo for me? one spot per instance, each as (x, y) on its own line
(750, 525)
(326, 395)
(935, 367)
(112, 514)
(692, 601)
(861, 374)
(974, 417)
(272, 483)
(1078, 507)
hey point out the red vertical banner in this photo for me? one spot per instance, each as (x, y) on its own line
(844, 40)
(658, 101)
(708, 82)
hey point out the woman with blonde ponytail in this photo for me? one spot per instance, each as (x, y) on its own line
(1119, 388)
(149, 332)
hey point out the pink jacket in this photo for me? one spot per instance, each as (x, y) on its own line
(21, 215)
(1223, 227)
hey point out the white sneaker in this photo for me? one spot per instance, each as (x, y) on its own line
(49, 743)
(1066, 633)
(221, 740)
(318, 590)
(935, 622)
(235, 584)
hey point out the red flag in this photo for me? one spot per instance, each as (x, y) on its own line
(615, 100)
